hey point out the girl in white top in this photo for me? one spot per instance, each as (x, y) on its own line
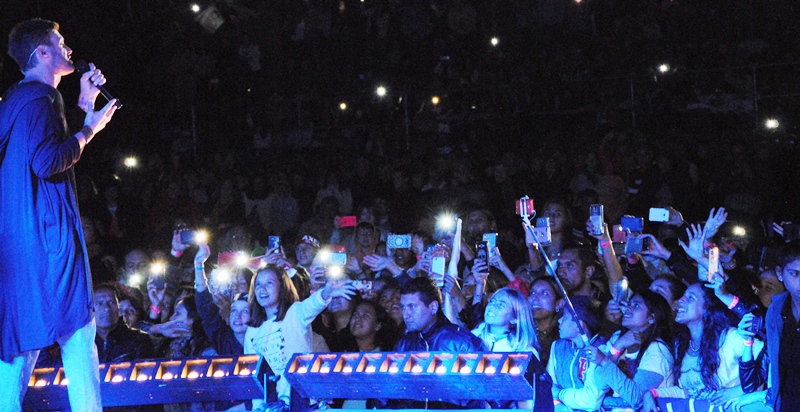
(280, 325)
(707, 361)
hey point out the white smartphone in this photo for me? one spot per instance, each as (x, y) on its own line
(658, 214)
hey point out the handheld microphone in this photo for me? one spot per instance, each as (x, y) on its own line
(81, 67)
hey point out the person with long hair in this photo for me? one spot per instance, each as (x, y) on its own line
(280, 324)
(706, 364)
(638, 357)
(508, 325)
(544, 301)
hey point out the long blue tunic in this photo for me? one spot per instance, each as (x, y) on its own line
(45, 282)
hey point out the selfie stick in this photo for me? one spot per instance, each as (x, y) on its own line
(552, 271)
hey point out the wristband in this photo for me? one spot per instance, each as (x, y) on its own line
(605, 244)
(749, 342)
(87, 133)
(734, 303)
(654, 393)
(155, 309)
(176, 253)
(614, 351)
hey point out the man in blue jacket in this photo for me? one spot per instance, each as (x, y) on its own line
(45, 285)
(783, 334)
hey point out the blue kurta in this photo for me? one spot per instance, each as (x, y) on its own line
(45, 285)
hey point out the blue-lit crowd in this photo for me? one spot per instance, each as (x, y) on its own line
(661, 309)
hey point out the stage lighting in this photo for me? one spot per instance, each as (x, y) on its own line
(771, 124)
(380, 91)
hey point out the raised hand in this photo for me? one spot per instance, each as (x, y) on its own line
(716, 217)
(697, 239)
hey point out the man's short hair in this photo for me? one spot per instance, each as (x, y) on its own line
(365, 226)
(25, 37)
(789, 253)
(426, 287)
(108, 287)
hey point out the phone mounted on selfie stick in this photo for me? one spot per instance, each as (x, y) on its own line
(526, 214)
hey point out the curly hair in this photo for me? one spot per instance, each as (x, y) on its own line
(716, 321)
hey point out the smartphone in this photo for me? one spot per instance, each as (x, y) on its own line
(362, 285)
(618, 235)
(187, 237)
(273, 242)
(524, 206)
(398, 242)
(491, 238)
(542, 231)
(755, 325)
(482, 251)
(596, 216)
(337, 258)
(713, 262)
(633, 224)
(347, 221)
(658, 214)
(437, 270)
(636, 244)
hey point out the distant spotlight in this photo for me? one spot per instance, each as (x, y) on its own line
(343, 106)
(495, 41)
(772, 124)
(380, 91)
(739, 231)
(435, 100)
(131, 162)
(663, 68)
(195, 7)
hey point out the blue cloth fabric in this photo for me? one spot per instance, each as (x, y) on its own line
(45, 285)
(774, 323)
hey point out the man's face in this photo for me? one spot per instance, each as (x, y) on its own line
(478, 224)
(305, 254)
(571, 271)
(416, 314)
(106, 309)
(60, 62)
(364, 237)
(790, 276)
(135, 261)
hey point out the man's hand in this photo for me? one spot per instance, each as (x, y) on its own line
(97, 120)
(89, 90)
(697, 238)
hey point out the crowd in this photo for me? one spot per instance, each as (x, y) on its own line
(661, 323)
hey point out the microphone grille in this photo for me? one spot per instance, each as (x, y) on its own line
(81, 66)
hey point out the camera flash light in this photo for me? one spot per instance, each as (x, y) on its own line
(343, 106)
(380, 91)
(242, 259)
(221, 276)
(131, 161)
(201, 236)
(663, 68)
(135, 280)
(195, 7)
(446, 222)
(495, 41)
(435, 100)
(158, 268)
(335, 271)
(739, 231)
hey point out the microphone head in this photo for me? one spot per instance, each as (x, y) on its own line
(81, 66)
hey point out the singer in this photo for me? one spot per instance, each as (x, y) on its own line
(45, 285)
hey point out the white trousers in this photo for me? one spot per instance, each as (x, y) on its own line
(81, 367)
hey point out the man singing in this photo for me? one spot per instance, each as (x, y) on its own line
(45, 285)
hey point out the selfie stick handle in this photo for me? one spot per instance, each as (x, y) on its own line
(552, 271)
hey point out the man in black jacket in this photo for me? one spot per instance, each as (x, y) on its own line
(115, 341)
(427, 329)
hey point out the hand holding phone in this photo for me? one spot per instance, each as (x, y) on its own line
(596, 217)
